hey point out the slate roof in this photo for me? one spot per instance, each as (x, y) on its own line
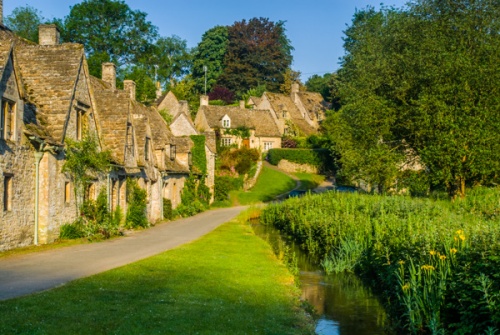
(259, 120)
(281, 102)
(49, 76)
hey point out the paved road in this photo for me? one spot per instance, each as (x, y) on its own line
(25, 274)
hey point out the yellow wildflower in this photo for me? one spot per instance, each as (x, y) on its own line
(406, 287)
(401, 262)
(432, 252)
(442, 257)
(462, 237)
(428, 268)
(453, 251)
(460, 232)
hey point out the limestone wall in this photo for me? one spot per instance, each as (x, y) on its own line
(291, 167)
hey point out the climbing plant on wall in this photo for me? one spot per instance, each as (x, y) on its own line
(198, 154)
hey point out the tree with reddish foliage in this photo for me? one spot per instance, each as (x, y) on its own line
(258, 52)
(221, 93)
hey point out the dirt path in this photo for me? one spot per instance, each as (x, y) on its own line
(25, 274)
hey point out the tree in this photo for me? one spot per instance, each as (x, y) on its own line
(327, 86)
(258, 52)
(210, 52)
(290, 77)
(420, 83)
(172, 57)
(109, 28)
(24, 21)
(145, 87)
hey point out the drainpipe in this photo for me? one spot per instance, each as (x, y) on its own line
(38, 158)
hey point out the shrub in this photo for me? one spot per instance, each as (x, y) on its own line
(71, 231)
(136, 213)
(224, 185)
(167, 209)
(221, 93)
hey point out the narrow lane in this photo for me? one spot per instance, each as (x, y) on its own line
(39, 271)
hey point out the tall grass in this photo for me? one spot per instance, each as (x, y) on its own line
(436, 263)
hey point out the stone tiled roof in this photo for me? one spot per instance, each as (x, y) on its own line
(5, 50)
(168, 101)
(254, 100)
(50, 75)
(281, 102)
(259, 120)
(159, 128)
(142, 130)
(313, 102)
(112, 108)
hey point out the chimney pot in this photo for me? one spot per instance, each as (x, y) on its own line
(204, 100)
(109, 74)
(48, 34)
(295, 88)
(130, 87)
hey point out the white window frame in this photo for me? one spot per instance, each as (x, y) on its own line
(268, 145)
(226, 141)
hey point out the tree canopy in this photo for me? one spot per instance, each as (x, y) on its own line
(422, 83)
(24, 21)
(258, 52)
(110, 31)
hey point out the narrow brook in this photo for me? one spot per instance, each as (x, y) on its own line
(344, 305)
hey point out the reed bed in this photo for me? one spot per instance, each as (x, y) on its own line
(435, 264)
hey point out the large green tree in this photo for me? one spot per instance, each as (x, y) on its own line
(24, 21)
(258, 52)
(209, 53)
(110, 31)
(422, 82)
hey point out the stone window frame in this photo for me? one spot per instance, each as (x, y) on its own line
(67, 192)
(8, 181)
(147, 152)
(129, 145)
(226, 141)
(8, 120)
(82, 123)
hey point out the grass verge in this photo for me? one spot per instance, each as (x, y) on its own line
(228, 282)
(270, 184)
(309, 181)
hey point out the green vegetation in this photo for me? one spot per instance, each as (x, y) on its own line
(227, 282)
(419, 84)
(270, 184)
(199, 157)
(195, 197)
(137, 204)
(435, 263)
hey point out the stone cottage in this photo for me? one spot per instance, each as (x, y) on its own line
(252, 128)
(45, 100)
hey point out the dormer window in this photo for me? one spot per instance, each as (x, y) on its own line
(8, 120)
(226, 122)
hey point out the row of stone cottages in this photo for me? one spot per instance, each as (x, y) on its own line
(47, 96)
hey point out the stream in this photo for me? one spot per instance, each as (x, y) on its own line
(344, 305)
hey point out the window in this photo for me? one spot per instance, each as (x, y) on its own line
(268, 145)
(7, 192)
(90, 192)
(146, 149)
(8, 120)
(226, 122)
(129, 146)
(225, 141)
(67, 192)
(81, 124)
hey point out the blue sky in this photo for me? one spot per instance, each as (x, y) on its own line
(315, 27)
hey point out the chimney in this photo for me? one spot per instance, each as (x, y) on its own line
(295, 88)
(204, 100)
(109, 74)
(48, 34)
(1, 12)
(242, 104)
(183, 107)
(158, 90)
(129, 86)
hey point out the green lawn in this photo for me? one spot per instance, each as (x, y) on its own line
(228, 282)
(309, 181)
(270, 184)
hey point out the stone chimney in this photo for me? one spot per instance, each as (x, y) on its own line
(109, 74)
(48, 34)
(158, 90)
(242, 104)
(204, 100)
(129, 86)
(184, 107)
(295, 88)
(1, 12)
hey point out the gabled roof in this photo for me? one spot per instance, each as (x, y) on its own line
(254, 100)
(281, 102)
(180, 120)
(159, 128)
(113, 109)
(259, 120)
(140, 120)
(50, 75)
(168, 101)
(313, 102)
